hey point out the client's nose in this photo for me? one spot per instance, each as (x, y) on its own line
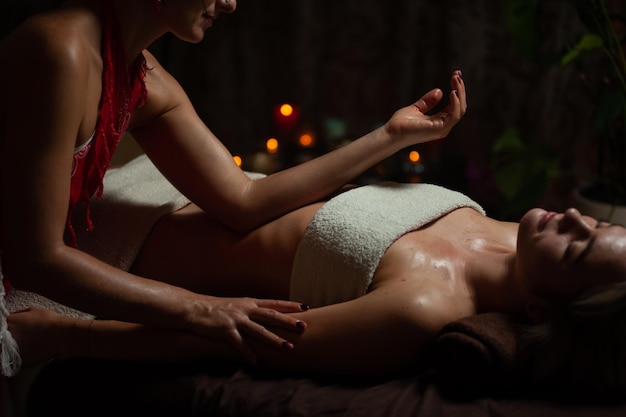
(574, 221)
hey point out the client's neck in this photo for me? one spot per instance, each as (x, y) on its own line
(492, 280)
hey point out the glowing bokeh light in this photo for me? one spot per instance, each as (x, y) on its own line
(414, 157)
(272, 145)
(306, 140)
(286, 110)
(238, 160)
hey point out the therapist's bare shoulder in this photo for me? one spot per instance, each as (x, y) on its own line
(55, 57)
(164, 93)
(68, 32)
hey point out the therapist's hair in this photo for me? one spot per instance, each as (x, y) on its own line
(581, 345)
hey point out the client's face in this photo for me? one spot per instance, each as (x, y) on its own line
(565, 254)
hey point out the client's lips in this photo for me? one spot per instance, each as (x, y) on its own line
(545, 220)
(208, 19)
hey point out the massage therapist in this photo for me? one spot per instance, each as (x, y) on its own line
(80, 77)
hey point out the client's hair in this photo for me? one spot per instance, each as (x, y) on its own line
(581, 347)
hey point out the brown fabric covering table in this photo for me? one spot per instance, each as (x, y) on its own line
(473, 372)
(94, 388)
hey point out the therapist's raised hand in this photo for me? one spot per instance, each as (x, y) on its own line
(412, 125)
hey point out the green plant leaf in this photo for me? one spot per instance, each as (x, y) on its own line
(527, 196)
(510, 140)
(588, 43)
(522, 172)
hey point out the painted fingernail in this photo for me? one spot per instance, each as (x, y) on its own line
(288, 345)
(301, 325)
(460, 73)
(304, 307)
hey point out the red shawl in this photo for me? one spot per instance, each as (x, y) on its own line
(123, 89)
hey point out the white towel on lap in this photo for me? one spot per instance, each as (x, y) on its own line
(135, 197)
(344, 242)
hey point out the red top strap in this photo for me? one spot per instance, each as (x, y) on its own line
(123, 89)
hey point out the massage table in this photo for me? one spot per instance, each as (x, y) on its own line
(473, 368)
(473, 371)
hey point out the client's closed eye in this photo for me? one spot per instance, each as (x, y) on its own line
(577, 250)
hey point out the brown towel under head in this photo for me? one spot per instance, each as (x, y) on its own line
(479, 353)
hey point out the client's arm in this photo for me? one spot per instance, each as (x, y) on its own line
(381, 333)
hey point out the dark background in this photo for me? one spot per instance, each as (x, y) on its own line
(348, 65)
(356, 62)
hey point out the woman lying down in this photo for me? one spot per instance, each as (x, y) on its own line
(383, 267)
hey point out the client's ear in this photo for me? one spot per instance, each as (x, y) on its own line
(536, 310)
